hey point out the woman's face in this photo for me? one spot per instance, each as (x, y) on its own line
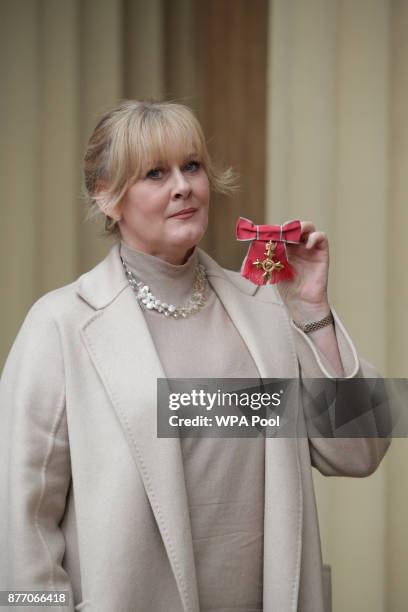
(165, 213)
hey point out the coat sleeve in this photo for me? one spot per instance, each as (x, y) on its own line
(339, 456)
(34, 460)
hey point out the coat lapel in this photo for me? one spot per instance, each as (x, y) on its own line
(117, 328)
(123, 353)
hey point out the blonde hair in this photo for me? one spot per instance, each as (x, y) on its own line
(132, 136)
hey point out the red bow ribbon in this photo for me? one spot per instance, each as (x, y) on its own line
(267, 259)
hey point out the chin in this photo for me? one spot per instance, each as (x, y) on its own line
(190, 237)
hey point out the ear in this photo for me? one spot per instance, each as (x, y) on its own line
(115, 212)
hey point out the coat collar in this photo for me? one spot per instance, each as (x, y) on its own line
(122, 351)
(101, 285)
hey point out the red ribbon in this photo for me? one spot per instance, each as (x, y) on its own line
(266, 260)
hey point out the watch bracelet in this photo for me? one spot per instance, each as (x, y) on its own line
(307, 328)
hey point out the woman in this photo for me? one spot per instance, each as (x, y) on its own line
(92, 501)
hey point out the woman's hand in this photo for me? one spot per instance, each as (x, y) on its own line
(306, 295)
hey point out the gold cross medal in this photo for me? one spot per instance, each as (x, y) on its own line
(269, 265)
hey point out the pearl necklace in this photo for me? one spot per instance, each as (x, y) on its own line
(148, 301)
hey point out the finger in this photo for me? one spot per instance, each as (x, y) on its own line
(306, 228)
(316, 239)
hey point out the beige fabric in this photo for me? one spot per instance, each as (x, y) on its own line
(224, 477)
(200, 356)
(78, 399)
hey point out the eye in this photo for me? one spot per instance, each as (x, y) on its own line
(155, 173)
(192, 166)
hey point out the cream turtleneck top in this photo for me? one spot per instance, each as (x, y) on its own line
(224, 477)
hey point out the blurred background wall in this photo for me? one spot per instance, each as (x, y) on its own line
(307, 100)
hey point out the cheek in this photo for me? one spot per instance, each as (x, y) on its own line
(142, 205)
(204, 191)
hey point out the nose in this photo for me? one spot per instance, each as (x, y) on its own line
(181, 186)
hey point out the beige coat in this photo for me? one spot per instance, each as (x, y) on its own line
(94, 503)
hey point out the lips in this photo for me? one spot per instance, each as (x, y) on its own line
(184, 212)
